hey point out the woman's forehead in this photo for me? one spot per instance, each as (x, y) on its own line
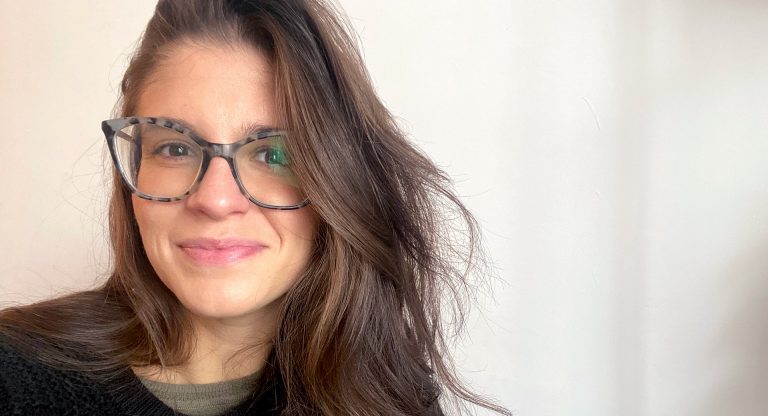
(217, 90)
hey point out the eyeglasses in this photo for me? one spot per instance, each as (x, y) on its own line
(162, 160)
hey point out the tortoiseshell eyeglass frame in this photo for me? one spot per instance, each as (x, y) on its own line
(210, 150)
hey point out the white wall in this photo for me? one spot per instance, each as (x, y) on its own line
(706, 256)
(615, 152)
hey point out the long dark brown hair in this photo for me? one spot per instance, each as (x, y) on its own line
(363, 331)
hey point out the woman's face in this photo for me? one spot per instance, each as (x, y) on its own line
(221, 255)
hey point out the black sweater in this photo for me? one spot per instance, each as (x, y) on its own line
(29, 387)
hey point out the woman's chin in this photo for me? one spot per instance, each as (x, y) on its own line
(217, 305)
(220, 312)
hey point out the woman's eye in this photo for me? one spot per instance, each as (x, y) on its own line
(173, 150)
(270, 156)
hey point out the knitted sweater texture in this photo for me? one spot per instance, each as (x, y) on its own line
(30, 387)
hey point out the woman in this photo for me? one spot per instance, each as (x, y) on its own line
(279, 247)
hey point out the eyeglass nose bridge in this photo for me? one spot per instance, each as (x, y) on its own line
(226, 152)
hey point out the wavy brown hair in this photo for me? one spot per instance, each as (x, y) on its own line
(362, 331)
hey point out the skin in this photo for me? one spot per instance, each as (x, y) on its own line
(218, 90)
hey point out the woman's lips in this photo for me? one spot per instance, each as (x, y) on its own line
(217, 252)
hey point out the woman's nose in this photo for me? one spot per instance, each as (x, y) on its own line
(217, 195)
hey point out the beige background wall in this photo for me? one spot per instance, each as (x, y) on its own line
(615, 152)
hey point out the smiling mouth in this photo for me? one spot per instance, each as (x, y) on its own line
(216, 252)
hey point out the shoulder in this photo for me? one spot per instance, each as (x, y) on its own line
(30, 387)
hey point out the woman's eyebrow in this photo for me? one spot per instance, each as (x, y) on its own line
(251, 128)
(181, 121)
(245, 129)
